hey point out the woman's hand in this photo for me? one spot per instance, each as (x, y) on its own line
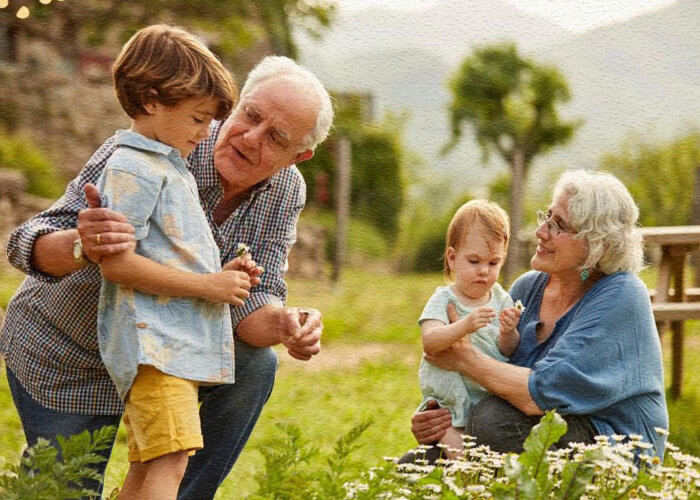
(430, 425)
(456, 356)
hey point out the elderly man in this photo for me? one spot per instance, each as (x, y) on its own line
(251, 193)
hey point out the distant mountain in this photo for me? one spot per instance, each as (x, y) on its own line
(637, 75)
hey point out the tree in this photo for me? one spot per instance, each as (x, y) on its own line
(641, 165)
(510, 102)
(377, 179)
(241, 31)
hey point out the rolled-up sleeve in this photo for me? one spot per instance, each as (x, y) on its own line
(277, 233)
(134, 196)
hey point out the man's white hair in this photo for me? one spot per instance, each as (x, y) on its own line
(602, 211)
(284, 67)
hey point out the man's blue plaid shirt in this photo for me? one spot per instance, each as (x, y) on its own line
(49, 337)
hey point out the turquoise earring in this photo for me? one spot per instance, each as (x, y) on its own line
(585, 274)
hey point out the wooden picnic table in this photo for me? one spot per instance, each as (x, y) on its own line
(674, 304)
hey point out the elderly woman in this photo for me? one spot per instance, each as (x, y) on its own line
(589, 348)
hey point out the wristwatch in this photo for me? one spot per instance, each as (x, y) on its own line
(78, 255)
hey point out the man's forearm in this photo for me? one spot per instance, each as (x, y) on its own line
(263, 327)
(52, 253)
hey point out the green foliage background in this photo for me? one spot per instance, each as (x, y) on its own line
(660, 176)
(19, 152)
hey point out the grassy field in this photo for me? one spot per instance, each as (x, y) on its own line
(367, 370)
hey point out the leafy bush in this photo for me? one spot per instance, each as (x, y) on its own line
(641, 164)
(430, 240)
(284, 476)
(364, 240)
(41, 475)
(20, 153)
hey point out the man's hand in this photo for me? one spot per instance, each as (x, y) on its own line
(430, 425)
(304, 328)
(248, 266)
(103, 231)
(455, 357)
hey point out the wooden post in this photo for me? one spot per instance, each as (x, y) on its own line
(677, 327)
(343, 161)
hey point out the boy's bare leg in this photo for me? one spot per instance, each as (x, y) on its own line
(157, 479)
(454, 441)
(134, 480)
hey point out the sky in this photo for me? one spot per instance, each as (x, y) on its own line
(572, 15)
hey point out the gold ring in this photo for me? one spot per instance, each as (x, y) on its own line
(98, 238)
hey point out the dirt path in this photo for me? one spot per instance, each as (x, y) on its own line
(348, 356)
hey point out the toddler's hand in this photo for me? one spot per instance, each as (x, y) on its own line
(479, 318)
(509, 319)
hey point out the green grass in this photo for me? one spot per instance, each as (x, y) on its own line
(10, 279)
(368, 369)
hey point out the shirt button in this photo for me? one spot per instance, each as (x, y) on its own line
(224, 372)
(142, 325)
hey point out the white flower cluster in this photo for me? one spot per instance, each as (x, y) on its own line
(625, 467)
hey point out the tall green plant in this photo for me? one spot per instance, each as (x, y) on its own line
(41, 475)
(285, 476)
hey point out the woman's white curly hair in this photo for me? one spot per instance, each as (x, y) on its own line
(601, 210)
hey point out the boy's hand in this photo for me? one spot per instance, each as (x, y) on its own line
(479, 318)
(509, 319)
(227, 286)
(246, 265)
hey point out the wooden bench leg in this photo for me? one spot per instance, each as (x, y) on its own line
(676, 358)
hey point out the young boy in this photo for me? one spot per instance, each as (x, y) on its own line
(476, 247)
(163, 333)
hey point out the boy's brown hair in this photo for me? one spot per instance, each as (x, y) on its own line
(487, 216)
(170, 65)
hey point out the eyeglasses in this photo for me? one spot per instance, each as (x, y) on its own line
(552, 226)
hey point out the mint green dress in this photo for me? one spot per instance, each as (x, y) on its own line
(452, 390)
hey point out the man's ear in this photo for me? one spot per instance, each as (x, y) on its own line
(304, 155)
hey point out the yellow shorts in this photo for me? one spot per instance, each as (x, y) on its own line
(162, 415)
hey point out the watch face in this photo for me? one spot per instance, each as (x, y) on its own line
(77, 250)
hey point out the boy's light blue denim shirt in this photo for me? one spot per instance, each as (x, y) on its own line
(150, 184)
